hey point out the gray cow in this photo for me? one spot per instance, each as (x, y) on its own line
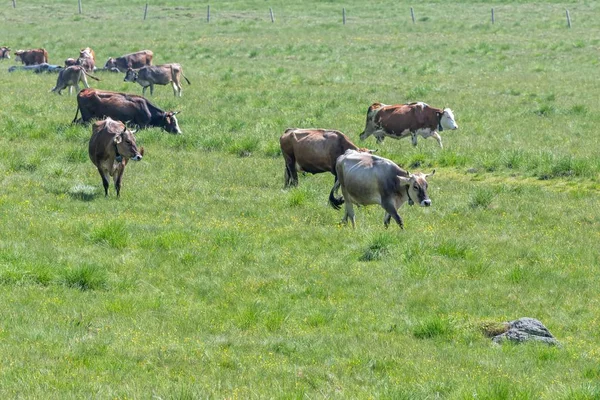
(157, 75)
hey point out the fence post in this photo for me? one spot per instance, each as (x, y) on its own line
(208, 13)
(493, 19)
(271, 12)
(14, 3)
(79, 4)
(412, 14)
(145, 11)
(344, 16)
(568, 19)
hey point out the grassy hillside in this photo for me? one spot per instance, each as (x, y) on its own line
(207, 279)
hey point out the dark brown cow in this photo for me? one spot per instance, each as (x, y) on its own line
(71, 76)
(111, 145)
(312, 150)
(157, 75)
(32, 57)
(87, 59)
(4, 52)
(129, 108)
(367, 179)
(133, 60)
(401, 120)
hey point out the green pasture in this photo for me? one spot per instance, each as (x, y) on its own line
(207, 279)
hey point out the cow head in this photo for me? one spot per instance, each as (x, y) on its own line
(131, 75)
(86, 53)
(416, 187)
(18, 55)
(170, 122)
(4, 52)
(69, 62)
(447, 121)
(111, 63)
(125, 145)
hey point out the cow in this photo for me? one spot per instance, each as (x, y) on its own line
(401, 120)
(69, 62)
(31, 57)
(37, 68)
(87, 59)
(368, 179)
(124, 107)
(70, 77)
(110, 147)
(157, 75)
(133, 60)
(4, 53)
(313, 151)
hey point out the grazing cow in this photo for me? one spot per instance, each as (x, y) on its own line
(312, 150)
(4, 52)
(37, 68)
(133, 60)
(70, 77)
(367, 179)
(402, 120)
(124, 107)
(32, 57)
(157, 75)
(87, 59)
(111, 145)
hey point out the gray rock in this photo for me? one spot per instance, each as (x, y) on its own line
(526, 329)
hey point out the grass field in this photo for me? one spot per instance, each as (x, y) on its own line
(207, 279)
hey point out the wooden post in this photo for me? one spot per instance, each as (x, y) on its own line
(568, 19)
(493, 19)
(79, 4)
(145, 11)
(412, 14)
(14, 3)
(208, 13)
(344, 15)
(271, 12)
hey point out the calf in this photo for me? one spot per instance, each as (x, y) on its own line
(367, 179)
(87, 59)
(32, 57)
(111, 145)
(157, 75)
(4, 53)
(312, 150)
(71, 76)
(133, 60)
(124, 107)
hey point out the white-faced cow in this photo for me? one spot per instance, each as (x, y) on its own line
(134, 60)
(313, 151)
(71, 76)
(128, 108)
(31, 57)
(111, 145)
(157, 75)
(401, 120)
(367, 179)
(4, 52)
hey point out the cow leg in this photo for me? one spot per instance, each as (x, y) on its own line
(348, 210)
(151, 90)
(176, 89)
(118, 176)
(413, 136)
(438, 138)
(104, 177)
(291, 175)
(390, 211)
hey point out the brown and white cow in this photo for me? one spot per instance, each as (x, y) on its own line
(111, 145)
(134, 60)
(87, 59)
(71, 76)
(32, 57)
(313, 151)
(4, 52)
(401, 120)
(367, 179)
(157, 75)
(69, 62)
(129, 108)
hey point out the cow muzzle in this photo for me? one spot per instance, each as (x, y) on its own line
(426, 203)
(137, 157)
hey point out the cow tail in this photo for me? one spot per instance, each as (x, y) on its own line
(185, 77)
(90, 75)
(76, 112)
(334, 202)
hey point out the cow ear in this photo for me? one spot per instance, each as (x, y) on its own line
(431, 174)
(118, 139)
(404, 181)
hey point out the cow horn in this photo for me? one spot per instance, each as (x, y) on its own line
(175, 112)
(431, 174)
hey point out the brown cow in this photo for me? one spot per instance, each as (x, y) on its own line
(87, 59)
(71, 76)
(4, 52)
(133, 60)
(157, 75)
(88, 52)
(367, 179)
(402, 120)
(124, 107)
(32, 57)
(111, 145)
(69, 62)
(312, 150)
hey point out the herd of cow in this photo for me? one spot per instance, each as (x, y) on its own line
(363, 178)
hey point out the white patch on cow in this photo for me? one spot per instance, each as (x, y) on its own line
(424, 132)
(447, 121)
